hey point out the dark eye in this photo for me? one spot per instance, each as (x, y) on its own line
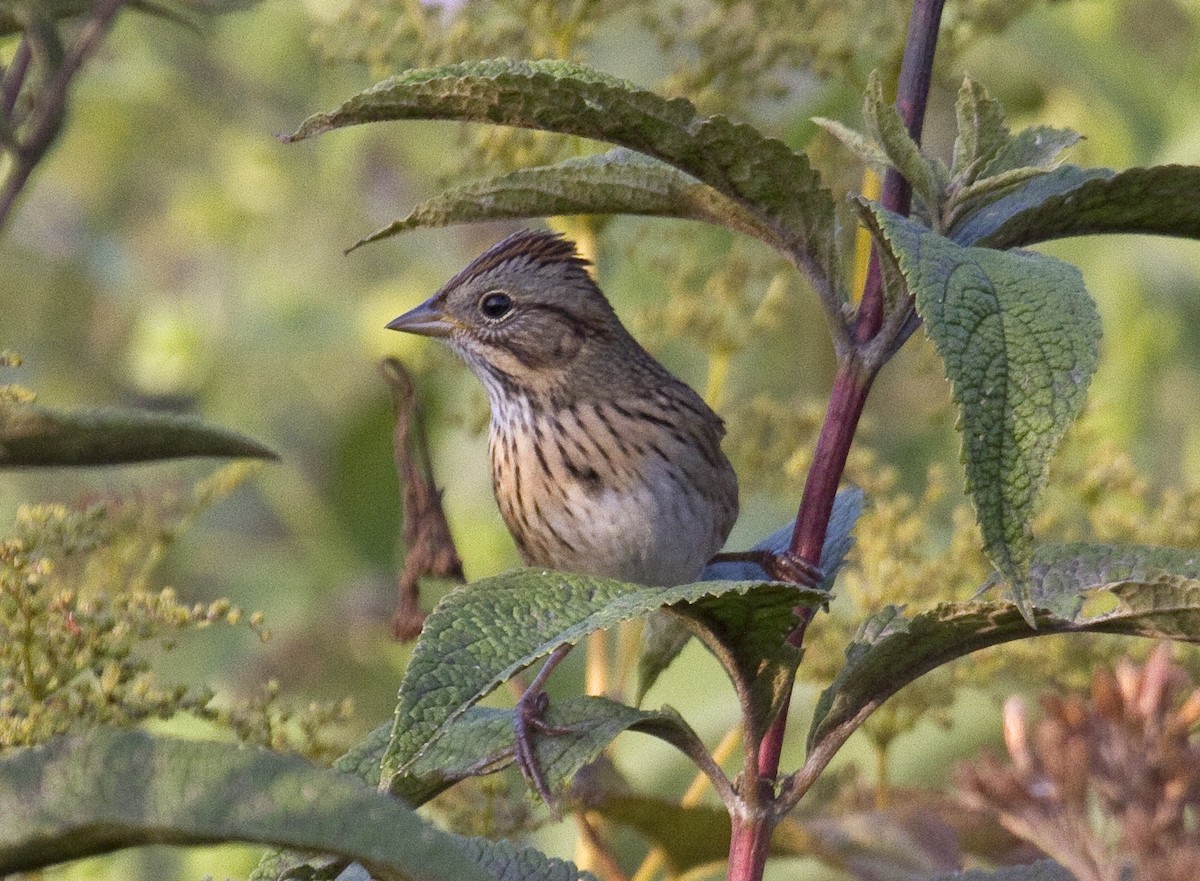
(495, 305)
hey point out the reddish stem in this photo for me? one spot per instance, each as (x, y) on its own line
(751, 836)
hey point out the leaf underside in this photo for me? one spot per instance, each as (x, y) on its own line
(1156, 593)
(762, 175)
(32, 436)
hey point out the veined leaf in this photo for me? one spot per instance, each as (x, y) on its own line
(481, 634)
(1038, 146)
(1156, 593)
(89, 794)
(981, 129)
(763, 175)
(1018, 335)
(1160, 200)
(617, 182)
(480, 741)
(34, 436)
(887, 128)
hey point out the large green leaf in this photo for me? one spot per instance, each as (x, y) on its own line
(34, 436)
(482, 634)
(1154, 592)
(88, 794)
(763, 175)
(1160, 200)
(617, 182)
(1018, 335)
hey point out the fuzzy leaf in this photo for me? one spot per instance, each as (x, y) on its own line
(763, 175)
(1156, 593)
(1160, 200)
(1036, 147)
(33, 436)
(617, 182)
(856, 142)
(981, 129)
(89, 794)
(1018, 336)
(888, 129)
(481, 634)
(978, 226)
(480, 741)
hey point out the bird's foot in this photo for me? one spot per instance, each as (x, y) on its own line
(784, 566)
(528, 718)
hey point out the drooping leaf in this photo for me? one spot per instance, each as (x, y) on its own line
(1155, 592)
(1160, 200)
(480, 741)
(977, 226)
(34, 436)
(753, 637)
(89, 794)
(690, 837)
(481, 634)
(1018, 336)
(617, 182)
(763, 175)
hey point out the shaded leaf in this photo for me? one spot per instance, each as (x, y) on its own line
(981, 129)
(1155, 592)
(1018, 336)
(481, 634)
(88, 794)
(763, 175)
(689, 836)
(480, 741)
(617, 182)
(887, 128)
(1036, 147)
(1046, 870)
(1160, 200)
(980, 225)
(34, 436)
(856, 142)
(763, 628)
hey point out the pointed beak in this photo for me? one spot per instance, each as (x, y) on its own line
(426, 320)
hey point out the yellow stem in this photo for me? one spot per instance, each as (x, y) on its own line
(657, 856)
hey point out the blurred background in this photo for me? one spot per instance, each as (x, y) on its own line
(171, 253)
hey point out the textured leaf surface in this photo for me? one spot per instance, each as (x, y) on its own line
(977, 226)
(1156, 593)
(617, 182)
(33, 436)
(481, 634)
(753, 633)
(481, 741)
(762, 174)
(1036, 147)
(1018, 335)
(89, 794)
(1160, 200)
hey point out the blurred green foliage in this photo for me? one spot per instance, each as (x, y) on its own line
(169, 252)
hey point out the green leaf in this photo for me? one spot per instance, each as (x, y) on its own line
(856, 142)
(480, 741)
(763, 175)
(1153, 592)
(690, 837)
(1036, 147)
(981, 130)
(89, 794)
(1160, 200)
(886, 127)
(1018, 336)
(482, 634)
(33, 436)
(747, 635)
(617, 182)
(975, 226)
(362, 760)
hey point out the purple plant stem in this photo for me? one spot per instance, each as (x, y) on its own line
(751, 836)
